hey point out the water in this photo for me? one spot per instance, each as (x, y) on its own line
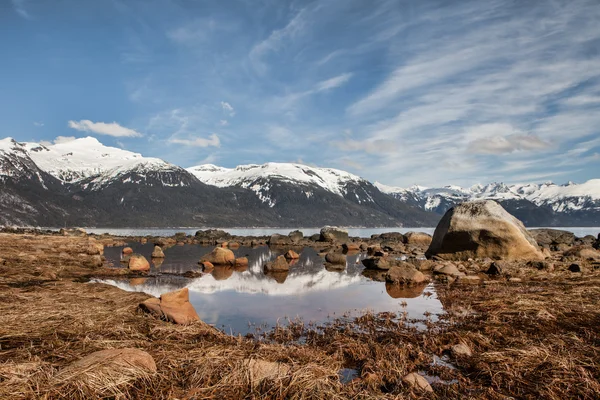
(243, 301)
(357, 232)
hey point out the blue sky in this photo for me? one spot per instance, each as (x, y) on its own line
(403, 92)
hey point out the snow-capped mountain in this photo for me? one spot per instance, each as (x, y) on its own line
(574, 201)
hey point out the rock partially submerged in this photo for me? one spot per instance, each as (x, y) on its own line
(219, 256)
(405, 274)
(173, 306)
(332, 234)
(158, 253)
(278, 265)
(482, 229)
(138, 262)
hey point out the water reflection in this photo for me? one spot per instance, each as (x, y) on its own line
(242, 297)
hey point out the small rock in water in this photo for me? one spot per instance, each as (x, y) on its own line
(127, 251)
(279, 264)
(335, 258)
(138, 262)
(158, 253)
(219, 256)
(291, 255)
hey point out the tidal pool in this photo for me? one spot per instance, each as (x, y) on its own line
(248, 300)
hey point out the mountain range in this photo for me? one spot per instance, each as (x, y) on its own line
(84, 183)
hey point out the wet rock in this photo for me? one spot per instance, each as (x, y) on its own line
(279, 264)
(158, 253)
(575, 268)
(381, 263)
(351, 247)
(417, 382)
(222, 272)
(296, 236)
(102, 371)
(173, 306)
(212, 234)
(143, 240)
(206, 266)
(277, 276)
(279, 240)
(374, 275)
(219, 256)
(447, 269)
(233, 245)
(257, 370)
(405, 274)
(461, 350)
(468, 280)
(418, 239)
(241, 262)
(291, 255)
(335, 258)
(398, 291)
(332, 234)
(127, 251)
(390, 236)
(138, 262)
(480, 229)
(552, 237)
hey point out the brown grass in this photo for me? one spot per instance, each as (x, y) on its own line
(535, 339)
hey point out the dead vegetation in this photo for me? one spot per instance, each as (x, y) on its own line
(533, 339)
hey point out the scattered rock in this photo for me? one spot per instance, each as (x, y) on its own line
(233, 245)
(583, 252)
(94, 261)
(496, 268)
(480, 229)
(206, 266)
(575, 268)
(332, 234)
(173, 306)
(127, 251)
(396, 291)
(468, 280)
(138, 262)
(405, 274)
(552, 237)
(336, 258)
(416, 381)
(447, 269)
(291, 255)
(540, 265)
(351, 247)
(212, 234)
(103, 371)
(418, 239)
(158, 253)
(278, 276)
(241, 262)
(279, 264)
(461, 350)
(279, 240)
(296, 236)
(381, 263)
(219, 256)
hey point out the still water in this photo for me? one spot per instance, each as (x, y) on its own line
(357, 232)
(240, 301)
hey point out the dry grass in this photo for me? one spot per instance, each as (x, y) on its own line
(536, 339)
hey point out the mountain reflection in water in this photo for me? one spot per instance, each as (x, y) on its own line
(240, 299)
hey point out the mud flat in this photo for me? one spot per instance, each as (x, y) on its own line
(521, 329)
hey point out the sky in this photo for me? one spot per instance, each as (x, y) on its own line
(400, 92)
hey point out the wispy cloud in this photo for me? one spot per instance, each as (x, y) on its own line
(211, 141)
(38, 124)
(227, 108)
(20, 8)
(102, 128)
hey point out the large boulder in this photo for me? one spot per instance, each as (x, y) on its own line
(278, 265)
(138, 262)
(552, 237)
(332, 234)
(418, 239)
(173, 306)
(104, 372)
(279, 240)
(405, 274)
(482, 229)
(219, 256)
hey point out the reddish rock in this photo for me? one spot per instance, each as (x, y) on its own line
(279, 264)
(138, 262)
(173, 306)
(127, 251)
(220, 256)
(291, 255)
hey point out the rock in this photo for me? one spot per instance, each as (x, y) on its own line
(279, 264)
(575, 268)
(291, 255)
(143, 240)
(381, 263)
(405, 274)
(222, 272)
(173, 306)
(447, 269)
(315, 237)
(583, 252)
(241, 262)
(374, 274)
(278, 276)
(233, 245)
(158, 253)
(541, 265)
(396, 291)
(296, 236)
(332, 234)
(103, 371)
(206, 266)
(219, 256)
(552, 237)
(94, 261)
(279, 240)
(418, 382)
(480, 229)
(257, 370)
(138, 262)
(212, 234)
(335, 258)
(391, 236)
(468, 280)
(496, 268)
(461, 350)
(418, 239)
(587, 240)
(137, 281)
(127, 251)
(351, 247)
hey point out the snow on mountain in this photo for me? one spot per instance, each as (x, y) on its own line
(83, 158)
(15, 162)
(332, 180)
(561, 198)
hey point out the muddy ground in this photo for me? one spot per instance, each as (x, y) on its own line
(536, 336)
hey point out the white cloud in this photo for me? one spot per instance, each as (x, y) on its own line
(333, 82)
(212, 141)
(64, 139)
(223, 122)
(19, 6)
(102, 128)
(38, 124)
(227, 108)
